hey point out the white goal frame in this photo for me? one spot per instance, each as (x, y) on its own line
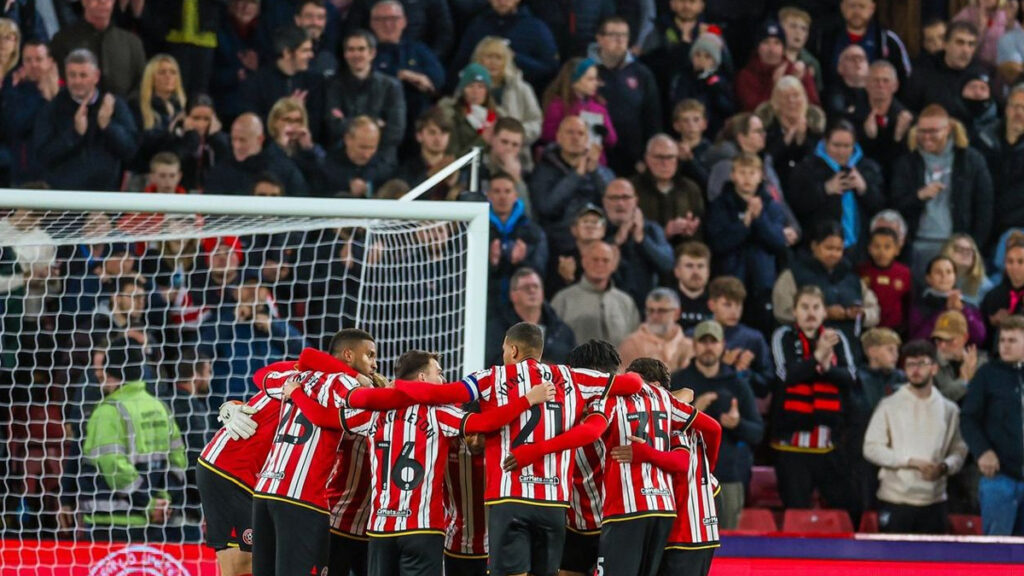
(476, 214)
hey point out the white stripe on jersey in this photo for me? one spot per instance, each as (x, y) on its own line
(506, 431)
(625, 470)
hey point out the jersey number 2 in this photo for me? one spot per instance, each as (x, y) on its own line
(534, 420)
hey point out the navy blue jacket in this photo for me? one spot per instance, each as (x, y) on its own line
(417, 57)
(761, 372)
(746, 252)
(573, 22)
(528, 36)
(634, 103)
(92, 161)
(225, 84)
(991, 417)
(21, 106)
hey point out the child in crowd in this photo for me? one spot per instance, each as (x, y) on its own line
(748, 234)
(165, 174)
(887, 278)
(702, 81)
(692, 272)
(690, 121)
(797, 24)
(941, 295)
(574, 93)
(971, 280)
(745, 348)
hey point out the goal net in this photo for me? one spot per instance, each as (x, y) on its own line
(208, 289)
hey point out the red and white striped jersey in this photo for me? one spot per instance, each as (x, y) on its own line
(587, 486)
(696, 524)
(348, 487)
(631, 490)
(241, 460)
(466, 514)
(817, 440)
(302, 455)
(547, 481)
(408, 456)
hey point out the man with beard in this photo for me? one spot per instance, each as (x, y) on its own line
(914, 436)
(723, 395)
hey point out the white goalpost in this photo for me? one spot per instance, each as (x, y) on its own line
(209, 288)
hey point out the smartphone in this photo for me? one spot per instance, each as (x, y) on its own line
(845, 171)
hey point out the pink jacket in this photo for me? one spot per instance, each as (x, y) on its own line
(556, 111)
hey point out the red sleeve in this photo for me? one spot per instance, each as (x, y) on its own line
(711, 430)
(261, 375)
(434, 394)
(315, 412)
(625, 384)
(378, 399)
(580, 435)
(676, 461)
(313, 359)
(491, 420)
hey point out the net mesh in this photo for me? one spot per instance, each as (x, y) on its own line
(207, 299)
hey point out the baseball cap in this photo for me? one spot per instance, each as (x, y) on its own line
(590, 208)
(950, 324)
(709, 328)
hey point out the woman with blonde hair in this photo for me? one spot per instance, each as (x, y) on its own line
(794, 125)
(10, 46)
(288, 126)
(972, 282)
(514, 97)
(160, 108)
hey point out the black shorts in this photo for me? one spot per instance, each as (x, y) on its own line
(348, 554)
(633, 547)
(288, 538)
(228, 510)
(525, 538)
(409, 555)
(580, 552)
(687, 562)
(460, 566)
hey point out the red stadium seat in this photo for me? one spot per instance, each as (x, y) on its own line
(965, 524)
(822, 521)
(764, 488)
(869, 522)
(756, 521)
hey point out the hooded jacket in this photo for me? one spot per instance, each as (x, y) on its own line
(516, 227)
(972, 196)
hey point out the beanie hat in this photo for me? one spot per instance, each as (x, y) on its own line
(473, 73)
(710, 45)
(770, 29)
(582, 67)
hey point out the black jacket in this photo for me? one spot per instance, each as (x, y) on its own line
(262, 89)
(573, 23)
(971, 204)
(631, 95)
(336, 171)
(230, 176)
(1007, 172)
(806, 194)
(379, 96)
(92, 161)
(991, 417)
(934, 82)
(735, 457)
(557, 192)
(558, 337)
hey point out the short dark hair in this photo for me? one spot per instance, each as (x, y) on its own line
(527, 336)
(729, 287)
(124, 360)
(302, 4)
(509, 124)
(693, 249)
(200, 100)
(347, 338)
(267, 177)
(825, 229)
(288, 38)
(651, 370)
(935, 260)
(840, 125)
(127, 281)
(37, 42)
(960, 26)
(502, 175)
(884, 231)
(371, 40)
(412, 361)
(595, 354)
(437, 117)
(610, 20)
(918, 348)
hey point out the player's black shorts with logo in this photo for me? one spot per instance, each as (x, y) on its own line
(525, 538)
(580, 552)
(633, 546)
(456, 565)
(406, 555)
(228, 510)
(288, 538)
(696, 562)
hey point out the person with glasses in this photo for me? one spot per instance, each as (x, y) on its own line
(528, 304)
(914, 437)
(660, 336)
(673, 200)
(942, 187)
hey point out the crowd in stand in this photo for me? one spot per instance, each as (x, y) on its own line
(839, 184)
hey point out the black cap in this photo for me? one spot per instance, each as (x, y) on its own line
(590, 208)
(770, 29)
